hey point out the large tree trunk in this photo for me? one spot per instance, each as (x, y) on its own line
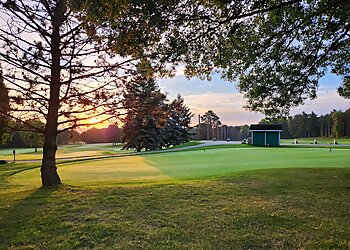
(49, 175)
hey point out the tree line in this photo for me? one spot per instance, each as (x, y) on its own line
(26, 139)
(336, 124)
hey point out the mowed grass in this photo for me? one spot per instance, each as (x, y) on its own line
(178, 166)
(67, 151)
(74, 151)
(260, 209)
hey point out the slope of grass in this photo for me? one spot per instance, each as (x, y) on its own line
(75, 151)
(175, 166)
(67, 151)
(258, 209)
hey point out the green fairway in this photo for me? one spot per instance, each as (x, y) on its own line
(175, 166)
(74, 151)
(67, 151)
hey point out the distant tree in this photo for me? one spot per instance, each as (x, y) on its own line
(244, 130)
(314, 125)
(202, 131)
(16, 141)
(33, 139)
(146, 117)
(178, 122)
(338, 130)
(295, 126)
(347, 122)
(113, 134)
(68, 137)
(325, 122)
(210, 118)
(217, 127)
(281, 121)
(94, 135)
(4, 109)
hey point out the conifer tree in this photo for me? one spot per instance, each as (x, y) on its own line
(178, 122)
(145, 121)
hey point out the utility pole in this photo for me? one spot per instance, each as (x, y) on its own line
(198, 127)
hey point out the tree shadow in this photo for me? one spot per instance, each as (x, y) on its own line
(21, 220)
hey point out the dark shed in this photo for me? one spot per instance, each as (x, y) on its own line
(265, 135)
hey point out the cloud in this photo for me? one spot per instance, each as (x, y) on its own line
(228, 106)
(223, 98)
(180, 84)
(327, 101)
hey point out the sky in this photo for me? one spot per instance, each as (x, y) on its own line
(223, 98)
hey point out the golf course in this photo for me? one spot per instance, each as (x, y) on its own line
(193, 164)
(220, 196)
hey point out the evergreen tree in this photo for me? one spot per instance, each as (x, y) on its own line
(314, 125)
(32, 139)
(178, 122)
(145, 121)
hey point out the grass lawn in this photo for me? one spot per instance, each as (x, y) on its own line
(66, 151)
(242, 198)
(74, 151)
(175, 166)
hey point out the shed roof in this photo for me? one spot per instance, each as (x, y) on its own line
(264, 127)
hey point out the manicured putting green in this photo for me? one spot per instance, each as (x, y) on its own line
(173, 166)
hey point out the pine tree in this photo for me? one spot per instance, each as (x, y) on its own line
(178, 122)
(145, 121)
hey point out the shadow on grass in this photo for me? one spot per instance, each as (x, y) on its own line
(24, 218)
